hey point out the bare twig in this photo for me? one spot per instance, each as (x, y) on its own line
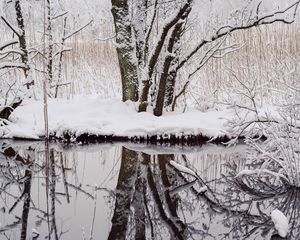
(11, 27)
(76, 31)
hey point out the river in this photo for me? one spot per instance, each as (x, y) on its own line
(131, 191)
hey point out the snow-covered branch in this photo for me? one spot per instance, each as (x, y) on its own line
(76, 31)
(59, 15)
(11, 65)
(8, 43)
(257, 21)
(18, 32)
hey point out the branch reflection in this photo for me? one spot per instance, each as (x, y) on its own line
(141, 195)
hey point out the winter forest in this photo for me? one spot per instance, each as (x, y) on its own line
(149, 119)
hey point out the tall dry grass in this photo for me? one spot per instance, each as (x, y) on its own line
(268, 56)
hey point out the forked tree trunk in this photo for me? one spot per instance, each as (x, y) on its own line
(153, 60)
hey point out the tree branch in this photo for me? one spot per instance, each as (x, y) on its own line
(8, 43)
(76, 31)
(150, 28)
(11, 27)
(163, 35)
(264, 20)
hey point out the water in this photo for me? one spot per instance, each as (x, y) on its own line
(134, 192)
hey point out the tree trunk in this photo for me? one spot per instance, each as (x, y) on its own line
(139, 24)
(170, 85)
(162, 87)
(22, 41)
(165, 79)
(125, 50)
(50, 44)
(153, 60)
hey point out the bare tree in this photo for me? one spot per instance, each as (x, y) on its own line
(20, 32)
(27, 58)
(158, 69)
(22, 52)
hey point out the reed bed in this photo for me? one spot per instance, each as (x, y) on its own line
(268, 56)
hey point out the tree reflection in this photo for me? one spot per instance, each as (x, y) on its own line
(143, 198)
(124, 193)
(26, 205)
(17, 173)
(155, 200)
(153, 196)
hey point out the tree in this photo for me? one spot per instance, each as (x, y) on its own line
(21, 52)
(27, 57)
(125, 50)
(23, 49)
(154, 73)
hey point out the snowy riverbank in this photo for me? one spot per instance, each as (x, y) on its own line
(94, 116)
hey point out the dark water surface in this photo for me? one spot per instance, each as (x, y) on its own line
(134, 192)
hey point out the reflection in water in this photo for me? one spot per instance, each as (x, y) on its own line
(112, 192)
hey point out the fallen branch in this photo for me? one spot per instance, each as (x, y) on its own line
(6, 111)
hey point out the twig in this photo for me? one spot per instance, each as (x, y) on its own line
(76, 31)
(11, 27)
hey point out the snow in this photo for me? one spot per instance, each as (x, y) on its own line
(183, 168)
(35, 231)
(281, 222)
(11, 51)
(203, 189)
(208, 148)
(247, 172)
(93, 115)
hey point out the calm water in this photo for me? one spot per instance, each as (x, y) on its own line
(135, 192)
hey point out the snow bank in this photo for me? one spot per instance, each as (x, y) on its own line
(281, 222)
(93, 115)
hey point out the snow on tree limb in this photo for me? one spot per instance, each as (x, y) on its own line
(18, 32)
(258, 172)
(62, 51)
(11, 65)
(149, 30)
(263, 20)
(59, 15)
(77, 30)
(12, 51)
(165, 30)
(8, 43)
(181, 14)
(183, 169)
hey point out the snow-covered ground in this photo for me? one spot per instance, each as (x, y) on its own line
(93, 115)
